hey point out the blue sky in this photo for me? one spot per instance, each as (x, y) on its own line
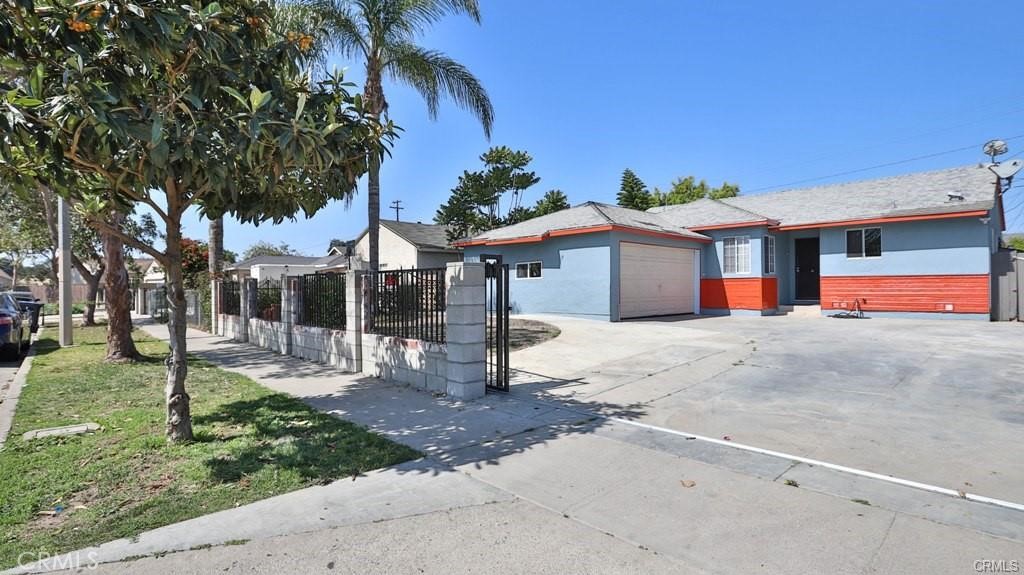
(760, 94)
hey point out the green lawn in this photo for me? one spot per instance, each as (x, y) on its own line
(61, 494)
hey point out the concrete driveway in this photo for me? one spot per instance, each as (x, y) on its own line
(939, 402)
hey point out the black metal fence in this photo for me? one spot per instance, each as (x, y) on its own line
(496, 322)
(156, 304)
(268, 300)
(230, 298)
(193, 309)
(410, 303)
(323, 300)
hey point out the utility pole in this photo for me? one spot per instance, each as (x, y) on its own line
(64, 271)
(396, 205)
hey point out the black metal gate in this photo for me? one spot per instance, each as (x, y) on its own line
(496, 280)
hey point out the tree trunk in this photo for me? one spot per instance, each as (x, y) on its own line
(92, 288)
(120, 345)
(373, 213)
(216, 250)
(216, 246)
(179, 417)
(373, 96)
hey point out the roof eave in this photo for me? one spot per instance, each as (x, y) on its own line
(886, 219)
(581, 231)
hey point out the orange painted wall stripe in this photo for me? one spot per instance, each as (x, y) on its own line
(739, 293)
(924, 293)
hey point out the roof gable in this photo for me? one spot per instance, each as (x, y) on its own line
(424, 237)
(274, 261)
(586, 217)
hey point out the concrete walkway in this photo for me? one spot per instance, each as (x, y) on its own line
(518, 483)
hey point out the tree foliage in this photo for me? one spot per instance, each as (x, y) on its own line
(553, 201)
(475, 204)
(264, 248)
(633, 192)
(688, 189)
(384, 36)
(195, 257)
(174, 104)
(1017, 243)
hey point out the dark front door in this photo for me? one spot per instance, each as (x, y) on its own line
(807, 274)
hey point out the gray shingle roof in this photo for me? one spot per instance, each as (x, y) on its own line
(920, 193)
(586, 215)
(273, 261)
(700, 212)
(430, 237)
(332, 260)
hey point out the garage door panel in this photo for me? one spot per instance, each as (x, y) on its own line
(655, 280)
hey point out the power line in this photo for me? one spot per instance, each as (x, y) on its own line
(869, 168)
(890, 141)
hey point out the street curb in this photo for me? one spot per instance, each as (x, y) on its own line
(9, 402)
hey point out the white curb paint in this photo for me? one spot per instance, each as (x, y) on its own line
(833, 466)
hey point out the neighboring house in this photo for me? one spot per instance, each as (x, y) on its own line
(263, 268)
(146, 273)
(916, 245)
(5, 280)
(405, 245)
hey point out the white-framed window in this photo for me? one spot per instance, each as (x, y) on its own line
(528, 270)
(864, 243)
(736, 250)
(769, 255)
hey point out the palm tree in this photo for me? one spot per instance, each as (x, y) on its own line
(383, 34)
(216, 263)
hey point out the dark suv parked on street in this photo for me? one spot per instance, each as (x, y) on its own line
(15, 328)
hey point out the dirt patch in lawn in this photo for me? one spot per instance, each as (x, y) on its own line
(524, 333)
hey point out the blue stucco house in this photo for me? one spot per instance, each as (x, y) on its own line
(917, 245)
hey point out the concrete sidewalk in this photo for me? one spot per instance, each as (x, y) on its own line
(514, 483)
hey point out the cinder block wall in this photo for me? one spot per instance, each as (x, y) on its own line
(229, 326)
(271, 335)
(421, 364)
(456, 368)
(331, 347)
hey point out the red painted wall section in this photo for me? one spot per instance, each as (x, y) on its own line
(932, 293)
(739, 293)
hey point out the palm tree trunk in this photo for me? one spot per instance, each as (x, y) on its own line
(120, 345)
(216, 262)
(373, 96)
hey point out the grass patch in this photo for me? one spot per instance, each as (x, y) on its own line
(64, 493)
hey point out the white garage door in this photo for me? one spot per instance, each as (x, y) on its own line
(655, 280)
